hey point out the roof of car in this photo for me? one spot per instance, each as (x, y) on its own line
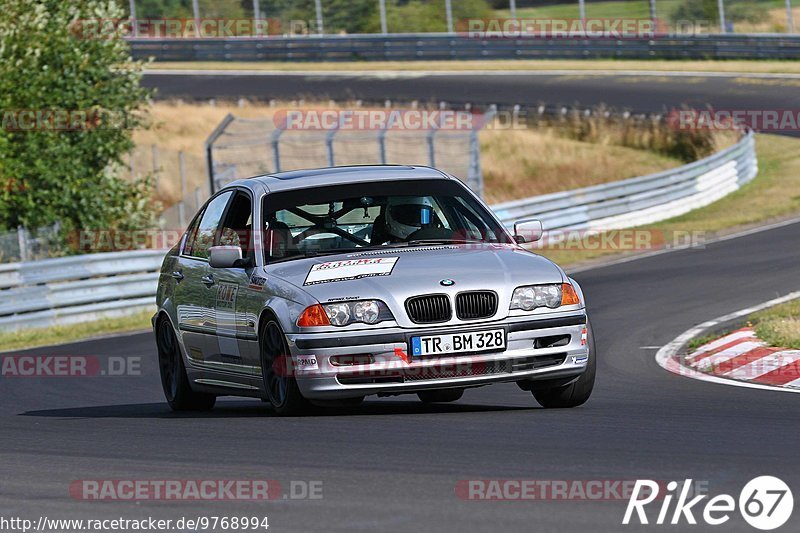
(302, 179)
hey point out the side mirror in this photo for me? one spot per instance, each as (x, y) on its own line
(533, 230)
(225, 256)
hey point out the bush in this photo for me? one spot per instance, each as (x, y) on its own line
(735, 11)
(633, 131)
(57, 174)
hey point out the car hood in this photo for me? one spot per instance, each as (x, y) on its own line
(394, 275)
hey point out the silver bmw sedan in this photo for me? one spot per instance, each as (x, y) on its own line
(325, 286)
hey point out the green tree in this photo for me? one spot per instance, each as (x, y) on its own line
(50, 64)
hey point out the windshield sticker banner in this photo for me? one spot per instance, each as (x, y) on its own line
(350, 269)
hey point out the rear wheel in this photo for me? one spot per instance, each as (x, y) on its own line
(577, 392)
(177, 390)
(440, 396)
(282, 390)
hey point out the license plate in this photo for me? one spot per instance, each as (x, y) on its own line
(477, 341)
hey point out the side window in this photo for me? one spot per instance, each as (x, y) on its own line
(202, 238)
(191, 233)
(237, 225)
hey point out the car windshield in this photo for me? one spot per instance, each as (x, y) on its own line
(342, 218)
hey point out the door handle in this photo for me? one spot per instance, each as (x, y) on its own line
(207, 279)
(178, 275)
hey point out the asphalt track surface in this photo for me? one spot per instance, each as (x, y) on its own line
(393, 464)
(636, 92)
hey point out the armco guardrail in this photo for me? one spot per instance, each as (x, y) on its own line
(78, 288)
(72, 289)
(642, 200)
(437, 46)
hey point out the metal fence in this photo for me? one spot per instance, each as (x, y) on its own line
(66, 290)
(26, 245)
(427, 47)
(240, 148)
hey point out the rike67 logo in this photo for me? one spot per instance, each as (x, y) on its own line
(765, 503)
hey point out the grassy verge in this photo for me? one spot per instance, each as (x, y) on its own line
(779, 325)
(659, 65)
(31, 338)
(774, 194)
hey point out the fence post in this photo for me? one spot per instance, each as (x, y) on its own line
(722, 23)
(382, 10)
(329, 143)
(22, 240)
(320, 23)
(276, 148)
(431, 148)
(181, 206)
(132, 4)
(196, 12)
(382, 145)
(154, 151)
(209, 147)
(448, 7)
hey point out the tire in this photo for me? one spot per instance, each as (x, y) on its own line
(177, 389)
(282, 390)
(440, 396)
(577, 392)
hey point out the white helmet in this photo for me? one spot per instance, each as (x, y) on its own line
(407, 214)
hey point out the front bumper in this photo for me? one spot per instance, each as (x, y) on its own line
(545, 348)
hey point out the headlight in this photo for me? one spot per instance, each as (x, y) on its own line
(364, 311)
(552, 296)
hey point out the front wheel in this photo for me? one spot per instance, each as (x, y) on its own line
(282, 390)
(577, 392)
(177, 390)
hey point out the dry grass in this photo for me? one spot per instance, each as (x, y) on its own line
(658, 65)
(524, 163)
(779, 325)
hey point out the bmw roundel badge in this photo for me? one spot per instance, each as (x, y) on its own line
(447, 283)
